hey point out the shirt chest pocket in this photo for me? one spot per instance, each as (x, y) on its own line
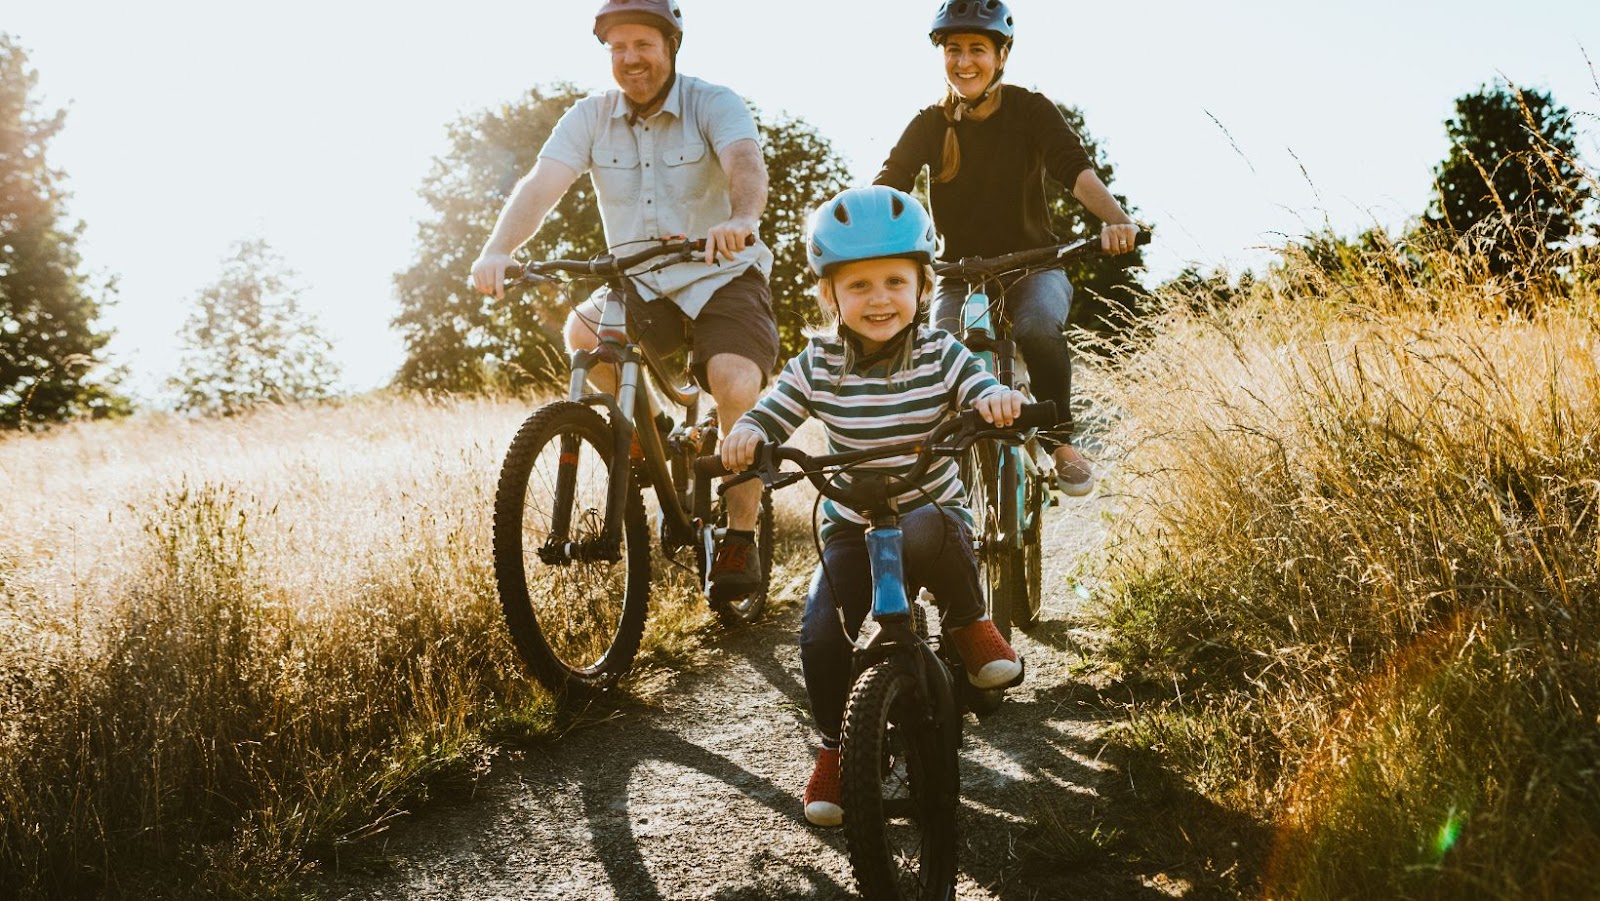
(616, 173)
(616, 155)
(685, 154)
(686, 181)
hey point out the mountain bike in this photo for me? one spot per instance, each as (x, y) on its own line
(1009, 478)
(900, 780)
(569, 515)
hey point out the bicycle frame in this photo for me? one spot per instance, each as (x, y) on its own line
(999, 353)
(632, 412)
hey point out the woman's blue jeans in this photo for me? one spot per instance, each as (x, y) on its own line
(1036, 306)
(937, 553)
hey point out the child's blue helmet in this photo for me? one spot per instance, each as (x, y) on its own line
(868, 223)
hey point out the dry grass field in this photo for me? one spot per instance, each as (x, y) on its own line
(226, 644)
(1358, 569)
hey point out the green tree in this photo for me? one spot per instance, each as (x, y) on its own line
(49, 345)
(1105, 288)
(804, 169)
(1511, 178)
(249, 342)
(459, 340)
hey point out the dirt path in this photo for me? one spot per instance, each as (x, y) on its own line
(697, 794)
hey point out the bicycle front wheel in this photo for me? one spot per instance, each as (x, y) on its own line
(1031, 591)
(575, 608)
(988, 484)
(900, 788)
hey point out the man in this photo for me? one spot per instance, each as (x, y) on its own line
(669, 155)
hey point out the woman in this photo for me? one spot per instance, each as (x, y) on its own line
(987, 147)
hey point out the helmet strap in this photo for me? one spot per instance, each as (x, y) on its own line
(636, 111)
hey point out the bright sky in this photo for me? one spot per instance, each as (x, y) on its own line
(311, 124)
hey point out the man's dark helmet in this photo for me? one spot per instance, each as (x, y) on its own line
(662, 14)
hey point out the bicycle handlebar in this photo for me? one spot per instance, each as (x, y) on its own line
(978, 268)
(609, 265)
(967, 427)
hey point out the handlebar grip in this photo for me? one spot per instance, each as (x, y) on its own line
(698, 245)
(1143, 237)
(710, 467)
(1042, 415)
(514, 271)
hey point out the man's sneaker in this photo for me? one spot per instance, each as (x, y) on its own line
(822, 791)
(1074, 476)
(989, 659)
(736, 571)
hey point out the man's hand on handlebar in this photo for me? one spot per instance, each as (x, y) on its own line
(739, 449)
(728, 238)
(1000, 408)
(489, 273)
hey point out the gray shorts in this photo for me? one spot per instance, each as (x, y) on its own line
(738, 320)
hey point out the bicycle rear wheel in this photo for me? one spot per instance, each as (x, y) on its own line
(579, 623)
(900, 787)
(744, 609)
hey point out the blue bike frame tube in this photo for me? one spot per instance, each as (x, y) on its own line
(1011, 494)
(888, 574)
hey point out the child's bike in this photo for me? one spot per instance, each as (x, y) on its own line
(571, 539)
(900, 779)
(1009, 478)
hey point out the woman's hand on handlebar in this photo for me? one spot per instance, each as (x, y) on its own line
(489, 273)
(1000, 408)
(739, 448)
(1119, 239)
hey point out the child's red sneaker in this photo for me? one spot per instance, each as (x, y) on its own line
(822, 791)
(989, 659)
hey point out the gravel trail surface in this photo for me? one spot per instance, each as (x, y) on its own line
(695, 793)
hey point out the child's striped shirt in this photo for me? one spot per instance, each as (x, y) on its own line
(868, 408)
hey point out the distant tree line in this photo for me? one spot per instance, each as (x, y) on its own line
(1511, 198)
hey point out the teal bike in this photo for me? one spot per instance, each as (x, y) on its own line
(1009, 478)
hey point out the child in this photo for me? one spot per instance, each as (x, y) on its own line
(879, 379)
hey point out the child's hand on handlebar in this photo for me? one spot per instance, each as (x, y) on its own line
(739, 448)
(999, 408)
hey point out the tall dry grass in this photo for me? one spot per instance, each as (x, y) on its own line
(228, 645)
(1358, 563)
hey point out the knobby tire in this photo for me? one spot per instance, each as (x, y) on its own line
(900, 783)
(577, 625)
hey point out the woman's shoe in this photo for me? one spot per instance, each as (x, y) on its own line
(1074, 475)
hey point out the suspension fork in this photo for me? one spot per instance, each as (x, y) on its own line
(613, 348)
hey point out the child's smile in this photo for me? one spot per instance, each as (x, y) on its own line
(876, 298)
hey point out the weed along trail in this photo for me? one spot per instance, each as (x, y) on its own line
(694, 791)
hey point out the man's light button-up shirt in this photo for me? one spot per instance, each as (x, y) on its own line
(662, 176)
